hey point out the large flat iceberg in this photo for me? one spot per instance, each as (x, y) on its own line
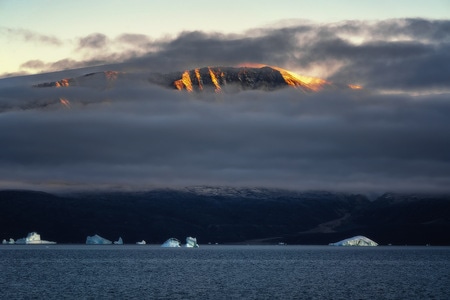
(358, 240)
(97, 240)
(33, 238)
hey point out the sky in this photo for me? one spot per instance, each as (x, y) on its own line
(49, 31)
(389, 136)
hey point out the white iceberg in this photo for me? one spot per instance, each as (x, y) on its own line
(33, 238)
(10, 242)
(358, 240)
(119, 241)
(97, 240)
(171, 243)
(191, 242)
(141, 243)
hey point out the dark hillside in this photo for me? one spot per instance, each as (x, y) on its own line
(243, 216)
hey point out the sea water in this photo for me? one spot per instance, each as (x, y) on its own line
(223, 272)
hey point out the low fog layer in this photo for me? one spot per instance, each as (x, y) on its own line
(144, 136)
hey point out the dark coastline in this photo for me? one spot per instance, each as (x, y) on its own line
(237, 216)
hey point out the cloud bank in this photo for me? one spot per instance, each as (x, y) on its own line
(395, 55)
(137, 135)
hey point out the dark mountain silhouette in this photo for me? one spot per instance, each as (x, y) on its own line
(220, 215)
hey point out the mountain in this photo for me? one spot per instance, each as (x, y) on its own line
(217, 79)
(226, 215)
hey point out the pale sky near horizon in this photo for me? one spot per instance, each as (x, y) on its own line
(49, 30)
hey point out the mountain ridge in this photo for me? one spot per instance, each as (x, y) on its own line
(216, 79)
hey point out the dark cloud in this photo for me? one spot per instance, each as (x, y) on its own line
(30, 36)
(403, 54)
(72, 64)
(95, 41)
(136, 40)
(33, 64)
(418, 68)
(193, 49)
(420, 29)
(397, 54)
(62, 64)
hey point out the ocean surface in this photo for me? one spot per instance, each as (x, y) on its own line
(223, 272)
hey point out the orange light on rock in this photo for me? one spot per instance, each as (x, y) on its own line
(111, 75)
(62, 83)
(184, 83)
(214, 81)
(293, 79)
(312, 83)
(355, 87)
(199, 79)
(64, 102)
